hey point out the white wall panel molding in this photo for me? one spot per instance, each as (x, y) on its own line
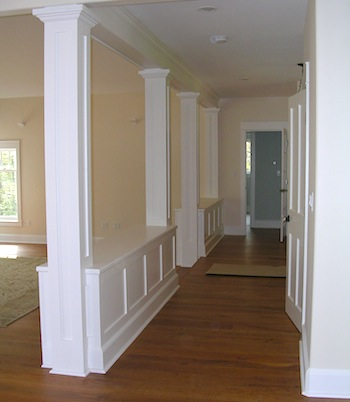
(68, 189)
(119, 302)
(156, 117)
(137, 293)
(210, 225)
(212, 149)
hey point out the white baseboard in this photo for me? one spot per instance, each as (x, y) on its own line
(323, 383)
(22, 238)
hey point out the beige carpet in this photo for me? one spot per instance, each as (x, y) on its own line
(18, 288)
(247, 270)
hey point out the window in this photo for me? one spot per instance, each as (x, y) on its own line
(10, 211)
(248, 156)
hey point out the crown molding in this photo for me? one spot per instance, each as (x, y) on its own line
(123, 33)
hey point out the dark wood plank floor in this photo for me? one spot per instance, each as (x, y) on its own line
(218, 339)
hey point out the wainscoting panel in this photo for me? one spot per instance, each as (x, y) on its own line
(136, 280)
(210, 225)
(153, 267)
(132, 290)
(113, 302)
(132, 278)
(168, 253)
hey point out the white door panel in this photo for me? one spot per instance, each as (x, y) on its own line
(284, 184)
(296, 207)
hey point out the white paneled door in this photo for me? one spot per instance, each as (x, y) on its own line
(296, 207)
(284, 184)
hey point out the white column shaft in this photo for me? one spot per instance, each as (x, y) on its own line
(189, 177)
(211, 173)
(68, 188)
(157, 152)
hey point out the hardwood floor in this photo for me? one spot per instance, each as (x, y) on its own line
(23, 250)
(218, 339)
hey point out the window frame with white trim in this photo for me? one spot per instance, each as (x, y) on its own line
(12, 165)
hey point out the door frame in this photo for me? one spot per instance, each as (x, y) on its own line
(245, 128)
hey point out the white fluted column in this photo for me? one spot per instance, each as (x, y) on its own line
(68, 188)
(189, 180)
(157, 147)
(211, 170)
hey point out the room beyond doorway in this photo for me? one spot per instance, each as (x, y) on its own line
(263, 179)
(262, 170)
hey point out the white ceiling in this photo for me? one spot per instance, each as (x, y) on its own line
(264, 47)
(260, 58)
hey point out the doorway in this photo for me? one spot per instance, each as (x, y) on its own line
(263, 179)
(262, 170)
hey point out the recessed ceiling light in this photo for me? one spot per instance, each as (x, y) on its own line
(218, 39)
(207, 9)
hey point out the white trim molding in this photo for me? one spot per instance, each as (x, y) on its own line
(133, 277)
(322, 383)
(249, 126)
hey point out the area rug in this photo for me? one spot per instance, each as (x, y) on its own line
(248, 270)
(18, 288)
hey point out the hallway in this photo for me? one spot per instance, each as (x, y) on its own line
(218, 339)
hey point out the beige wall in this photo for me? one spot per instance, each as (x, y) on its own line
(118, 162)
(30, 112)
(118, 157)
(231, 150)
(120, 197)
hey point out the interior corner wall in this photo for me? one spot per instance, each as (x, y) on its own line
(233, 111)
(30, 112)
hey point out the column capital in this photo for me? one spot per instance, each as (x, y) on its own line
(211, 110)
(64, 13)
(188, 95)
(154, 73)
